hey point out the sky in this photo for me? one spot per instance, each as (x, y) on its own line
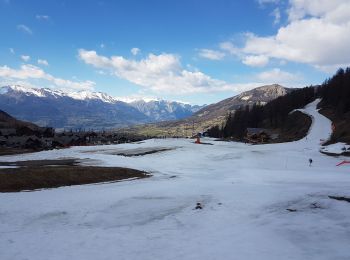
(195, 51)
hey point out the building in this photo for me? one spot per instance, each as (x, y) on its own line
(258, 135)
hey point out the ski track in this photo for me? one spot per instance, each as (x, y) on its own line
(245, 189)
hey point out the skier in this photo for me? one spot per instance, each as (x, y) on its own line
(310, 162)
(198, 206)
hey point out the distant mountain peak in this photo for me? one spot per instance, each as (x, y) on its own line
(264, 93)
(86, 95)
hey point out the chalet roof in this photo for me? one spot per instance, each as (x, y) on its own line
(257, 131)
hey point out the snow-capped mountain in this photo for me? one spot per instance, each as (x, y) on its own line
(88, 95)
(85, 109)
(47, 92)
(162, 110)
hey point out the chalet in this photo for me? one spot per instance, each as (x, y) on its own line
(258, 135)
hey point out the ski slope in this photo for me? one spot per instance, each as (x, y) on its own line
(245, 189)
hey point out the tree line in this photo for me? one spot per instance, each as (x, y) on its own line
(335, 92)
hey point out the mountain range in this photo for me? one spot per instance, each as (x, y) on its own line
(84, 109)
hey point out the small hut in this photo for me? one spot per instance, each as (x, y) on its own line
(258, 135)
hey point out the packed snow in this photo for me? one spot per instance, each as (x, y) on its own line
(259, 202)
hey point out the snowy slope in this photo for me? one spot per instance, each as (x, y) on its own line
(245, 189)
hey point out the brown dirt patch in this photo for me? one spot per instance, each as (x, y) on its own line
(12, 151)
(41, 174)
(41, 163)
(133, 152)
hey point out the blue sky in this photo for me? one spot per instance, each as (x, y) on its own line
(189, 50)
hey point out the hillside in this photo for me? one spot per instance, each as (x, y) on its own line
(214, 114)
(335, 93)
(9, 122)
(278, 117)
(260, 96)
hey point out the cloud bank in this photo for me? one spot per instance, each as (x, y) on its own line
(28, 72)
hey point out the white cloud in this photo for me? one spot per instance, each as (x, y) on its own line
(211, 54)
(135, 51)
(318, 34)
(28, 72)
(43, 62)
(312, 41)
(299, 9)
(42, 17)
(162, 73)
(276, 13)
(230, 48)
(277, 75)
(25, 58)
(24, 29)
(22, 83)
(256, 61)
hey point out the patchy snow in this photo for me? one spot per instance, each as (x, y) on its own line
(4, 90)
(337, 148)
(86, 95)
(132, 99)
(26, 90)
(246, 97)
(8, 167)
(259, 202)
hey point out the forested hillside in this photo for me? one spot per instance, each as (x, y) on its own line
(335, 93)
(277, 115)
(274, 115)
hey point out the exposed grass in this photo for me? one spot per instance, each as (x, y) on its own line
(45, 176)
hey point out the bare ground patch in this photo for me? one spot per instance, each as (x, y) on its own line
(33, 175)
(133, 152)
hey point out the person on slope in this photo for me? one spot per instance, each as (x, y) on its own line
(310, 162)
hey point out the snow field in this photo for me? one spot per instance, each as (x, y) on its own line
(246, 191)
